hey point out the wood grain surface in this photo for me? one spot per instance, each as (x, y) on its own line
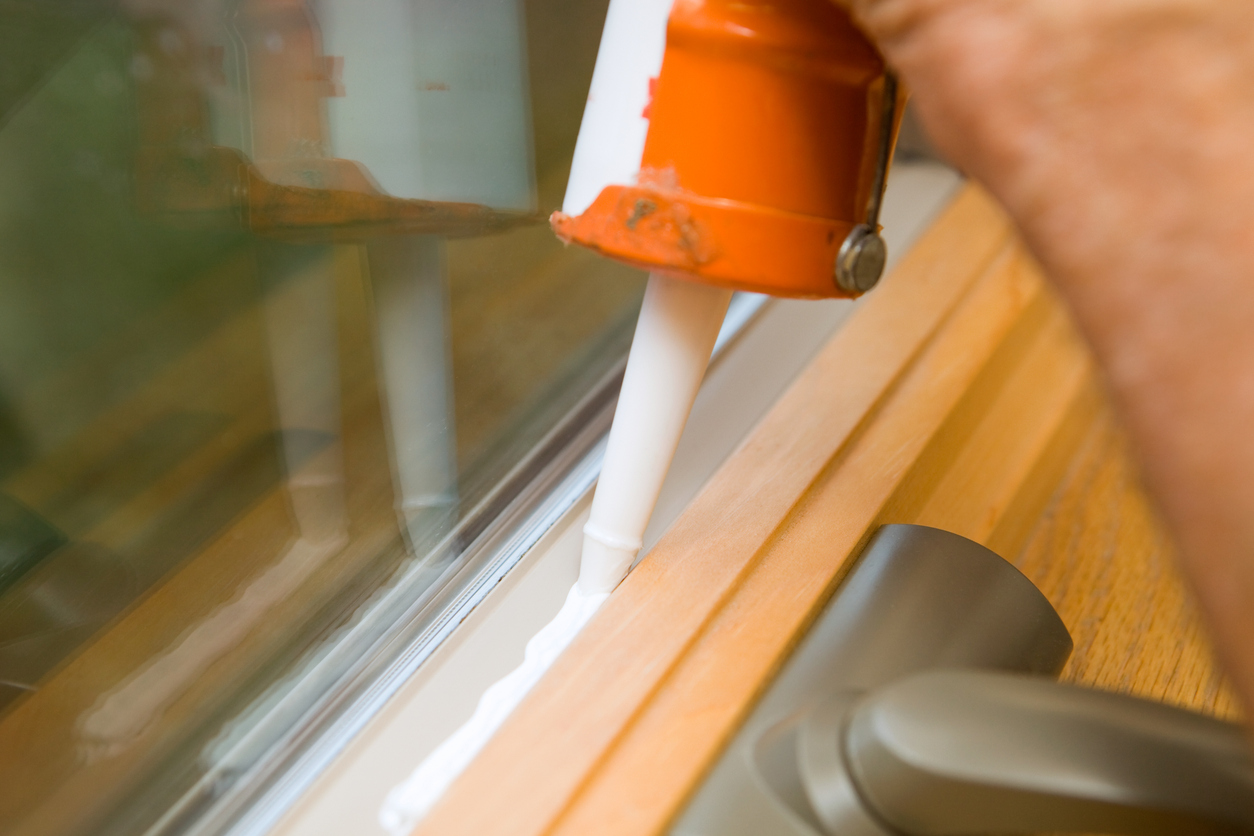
(958, 396)
(1106, 564)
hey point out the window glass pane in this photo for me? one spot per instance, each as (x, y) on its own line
(279, 313)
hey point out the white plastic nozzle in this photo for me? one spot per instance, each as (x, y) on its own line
(679, 322)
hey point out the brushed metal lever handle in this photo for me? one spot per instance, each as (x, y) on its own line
(918, 599)
(966, 752)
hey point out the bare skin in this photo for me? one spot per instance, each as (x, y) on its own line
(1119, 135)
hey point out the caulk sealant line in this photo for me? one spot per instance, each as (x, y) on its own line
(679, 323)
(408, 803)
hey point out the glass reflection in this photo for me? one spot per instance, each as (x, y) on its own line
(277, 311)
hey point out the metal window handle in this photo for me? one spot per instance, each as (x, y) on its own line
(856, 738)
(965, 752)
(918, 599)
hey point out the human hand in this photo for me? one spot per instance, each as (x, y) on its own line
(1118, 136)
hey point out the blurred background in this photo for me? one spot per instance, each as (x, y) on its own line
(280, 318)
